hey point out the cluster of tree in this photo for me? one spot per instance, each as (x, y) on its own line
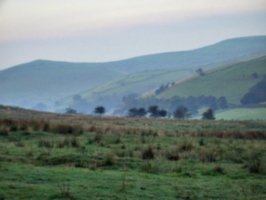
(180, 113)
(162, 88)
(154, 111)
(200, 72)
(256, 94)
(191, 103)
(100, 110)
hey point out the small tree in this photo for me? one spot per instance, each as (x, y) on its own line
(99, 110)
(133, 112)
(71, 111)
(208, 114)
(181, 112)
(162, 113)
(222, 101)
(154, 111)
(142, 112)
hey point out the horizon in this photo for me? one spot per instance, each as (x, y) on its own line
(137, 56)
(100, 31)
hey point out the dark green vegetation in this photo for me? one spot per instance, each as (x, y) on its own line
(48, 85)
(49, 156)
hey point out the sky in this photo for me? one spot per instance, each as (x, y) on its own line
(108, 30)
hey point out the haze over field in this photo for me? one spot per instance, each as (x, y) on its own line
(103, 30)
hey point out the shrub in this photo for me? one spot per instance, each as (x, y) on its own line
(4, 132)
(254, 163)
(109, 159)
(74, 142)
(172, 154)
(149, 167)
(208, 155)
(186, 146)
(45, 143)
(148, 153)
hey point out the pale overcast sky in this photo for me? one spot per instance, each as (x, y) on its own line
(105, 30)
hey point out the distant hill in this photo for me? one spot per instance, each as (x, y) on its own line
(171, 67)
(48, 82)
(231, 81)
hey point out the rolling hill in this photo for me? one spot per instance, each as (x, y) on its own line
(231, 81)
(49, 82)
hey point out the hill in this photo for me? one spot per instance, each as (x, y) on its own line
(46, 82)
(231, 81)
(155, 70)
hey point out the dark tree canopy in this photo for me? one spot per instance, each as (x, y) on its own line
(162, 113)
(256, 94)
(208, 114)
(71, 111)
(154, 111)
(142, 112)
(99, 110)
(181, 112)
(222, 102)
(135, 112)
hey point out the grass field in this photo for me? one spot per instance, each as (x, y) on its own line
(242, 114)
(49, 156)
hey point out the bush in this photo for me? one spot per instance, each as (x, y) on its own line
(208, 155)
(172, 154)
(186, 146)
(148, 153)
(45, 143)
(254, 163)
(4, 132)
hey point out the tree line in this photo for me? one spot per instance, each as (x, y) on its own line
(180, 112)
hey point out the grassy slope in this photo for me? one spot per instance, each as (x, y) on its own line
(178, 65)
(232, 81)
(137, 82)
(44, 81)
(227, 51)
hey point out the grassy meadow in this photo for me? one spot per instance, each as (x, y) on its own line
(50, 156)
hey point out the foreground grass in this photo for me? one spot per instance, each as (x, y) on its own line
(79, 157)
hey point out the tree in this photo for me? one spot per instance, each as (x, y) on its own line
(181, 112)
(71, 111)
(133, 112)
(162, 113)
(222, 102)
(154, 111)
(99, 110)
(200, 72)
(208, 114)
(142, 112)
(256, 94)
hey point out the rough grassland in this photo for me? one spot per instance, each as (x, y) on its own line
(48, 156)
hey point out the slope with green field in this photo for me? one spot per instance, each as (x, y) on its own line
(47, 81)
(231, 81)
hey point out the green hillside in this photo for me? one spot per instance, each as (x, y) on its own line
(231, 81)
(224, 52)
(178, 65)
(48, 81)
